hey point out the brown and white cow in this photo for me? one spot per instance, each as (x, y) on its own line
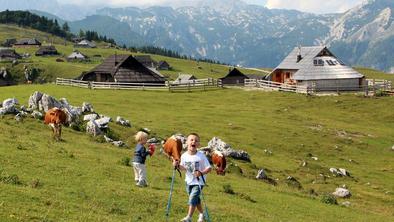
(55, 117)
(172, 148)
(219, 160)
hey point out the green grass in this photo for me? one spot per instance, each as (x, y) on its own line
(83, 180)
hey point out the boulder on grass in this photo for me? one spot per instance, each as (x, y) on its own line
(93, 128)
(342, 192)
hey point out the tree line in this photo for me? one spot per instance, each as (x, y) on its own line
(170, 53)
(41, 23)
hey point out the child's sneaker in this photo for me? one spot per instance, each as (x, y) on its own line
(200, 218)
(142, 183)
(186, 219)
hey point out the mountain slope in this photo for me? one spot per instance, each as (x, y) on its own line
(237, 33)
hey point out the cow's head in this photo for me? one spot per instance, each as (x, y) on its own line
(220, 162)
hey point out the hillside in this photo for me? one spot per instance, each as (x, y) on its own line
(81, 179)
(50, 69)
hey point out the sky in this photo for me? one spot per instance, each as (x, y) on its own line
(314, 6)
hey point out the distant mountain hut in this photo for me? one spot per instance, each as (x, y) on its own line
(123, 68)
(163, 65)
(316, 67)
(9, 54)
(185, 78)
(27, 43)
(85, 44)
(9, 42)
(234, 77)
(5, 77)
(146, 60)
(77, 56)
(48, 50)
(77, 39)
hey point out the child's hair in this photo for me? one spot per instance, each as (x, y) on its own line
(194, 134)
(140, 135)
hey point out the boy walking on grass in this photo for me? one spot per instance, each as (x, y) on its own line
(140, 155)
(196, 165)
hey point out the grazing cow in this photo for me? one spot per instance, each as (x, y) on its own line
(219, 160)
(55, 117)
(172, 148)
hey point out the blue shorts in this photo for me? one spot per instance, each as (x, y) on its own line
(194, 194)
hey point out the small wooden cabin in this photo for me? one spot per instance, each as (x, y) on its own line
(8, 54)
(234, 77)
(76, 56)
(48, 50)
(123, 68)
(85, 44)
(316, 67)
(185, 78)
(163, 65)
(27, 43)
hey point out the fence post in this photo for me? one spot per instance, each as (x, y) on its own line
(188, 86)
(373, 87)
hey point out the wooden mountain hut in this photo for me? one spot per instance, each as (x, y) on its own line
(9, 42)
(85, 44)
(8, 54)
(185, 78)
(163, 65)
(316, 67)
(123, 68)
(27, 43)
(234, 77)
(48, 50)
(76, 56)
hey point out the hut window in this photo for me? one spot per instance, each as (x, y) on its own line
(330, 62)
(318, 62)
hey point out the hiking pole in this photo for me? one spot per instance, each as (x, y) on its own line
(202, 198)
(169, 198)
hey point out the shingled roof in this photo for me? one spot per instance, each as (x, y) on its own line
(316, 62)
(28, 42)
(125, 68)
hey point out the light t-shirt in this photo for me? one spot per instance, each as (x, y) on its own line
(192, 163)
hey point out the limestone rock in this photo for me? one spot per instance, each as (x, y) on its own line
(107, 139)
(342, 192)
(103, 122)
(261, 174)
(219, 145)
(11, 102)
(93, 128)
(87, 108)
(37, 115)
(89, 117)
(122, 121)
(34, 100)
(118, 143)
(48, 102)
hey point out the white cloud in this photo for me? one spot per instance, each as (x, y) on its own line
(314, 6)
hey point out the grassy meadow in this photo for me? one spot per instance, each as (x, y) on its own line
(81, 179)
(84, 179)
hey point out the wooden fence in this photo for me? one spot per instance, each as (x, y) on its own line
(276, 86)
(370, 87)
(196, 85)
